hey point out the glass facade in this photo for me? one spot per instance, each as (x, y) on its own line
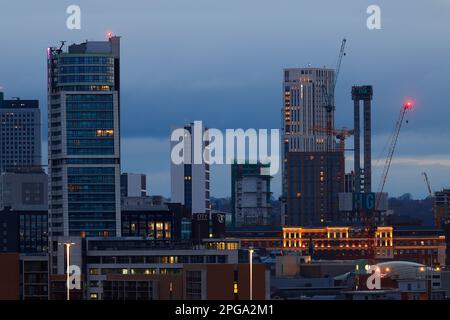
(84, 148)
(33, 232)
(151, 225)
(20, 133)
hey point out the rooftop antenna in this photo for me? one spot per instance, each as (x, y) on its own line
(61, 47)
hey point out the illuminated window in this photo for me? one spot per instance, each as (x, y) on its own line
(105, 133)
(235, 288)
(167, 230)
(159, 230)
(74, 188)
(124, 271)
(93, 296)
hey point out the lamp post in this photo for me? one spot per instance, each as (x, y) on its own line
(67, 247)
(250, 252)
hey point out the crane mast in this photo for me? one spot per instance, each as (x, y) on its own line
(427, 181)
(398, 126)
(369, 218)
(329, 96)
(430, 193)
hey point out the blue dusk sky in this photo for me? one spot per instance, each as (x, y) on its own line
(221, 62)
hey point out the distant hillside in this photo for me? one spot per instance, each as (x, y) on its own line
(405, 206)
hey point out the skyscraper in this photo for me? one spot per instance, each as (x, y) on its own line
(313, 170)
(84, 138)
(305, 117)
(20, 133)
(190, 180)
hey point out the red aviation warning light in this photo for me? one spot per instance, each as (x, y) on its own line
(408, 105)
(109, 35)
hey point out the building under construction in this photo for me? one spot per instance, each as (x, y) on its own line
(313, 170)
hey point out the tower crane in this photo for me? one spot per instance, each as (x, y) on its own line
(430, 193)
(329, 96)
(387, 165)
(369, 218)
(427, 181)
(341, 134)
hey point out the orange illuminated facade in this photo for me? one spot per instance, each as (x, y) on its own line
(423, 246)
(338, 241)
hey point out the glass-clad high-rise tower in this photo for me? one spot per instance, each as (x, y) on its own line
(20, 133)
(84, 140)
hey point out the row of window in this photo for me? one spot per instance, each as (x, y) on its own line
(90, 151)
(89, 97)
(85, 60)
(86, 69)
(70, 106)
(97, 115)
(91, 188)
(90, 124)
(90, 143)
(86, 78)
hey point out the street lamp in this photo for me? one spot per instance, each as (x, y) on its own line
(68, 245)
(250, 252)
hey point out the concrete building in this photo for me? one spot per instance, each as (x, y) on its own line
(363, 176)
(441, 207)
(133, 185)
(169, 222)
(422, 245)
(313, 171)
(358, 203)
(20, 133)
(190, 181)
(24, 188)
(425, 246)
(106, 259)
(24, 210)
(250, 195)
(34, 277)
(84, 138)
(192, 282)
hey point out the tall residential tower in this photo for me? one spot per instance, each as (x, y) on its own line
(313, 170)
(20, 133)
(190, 180)
(84, 139)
